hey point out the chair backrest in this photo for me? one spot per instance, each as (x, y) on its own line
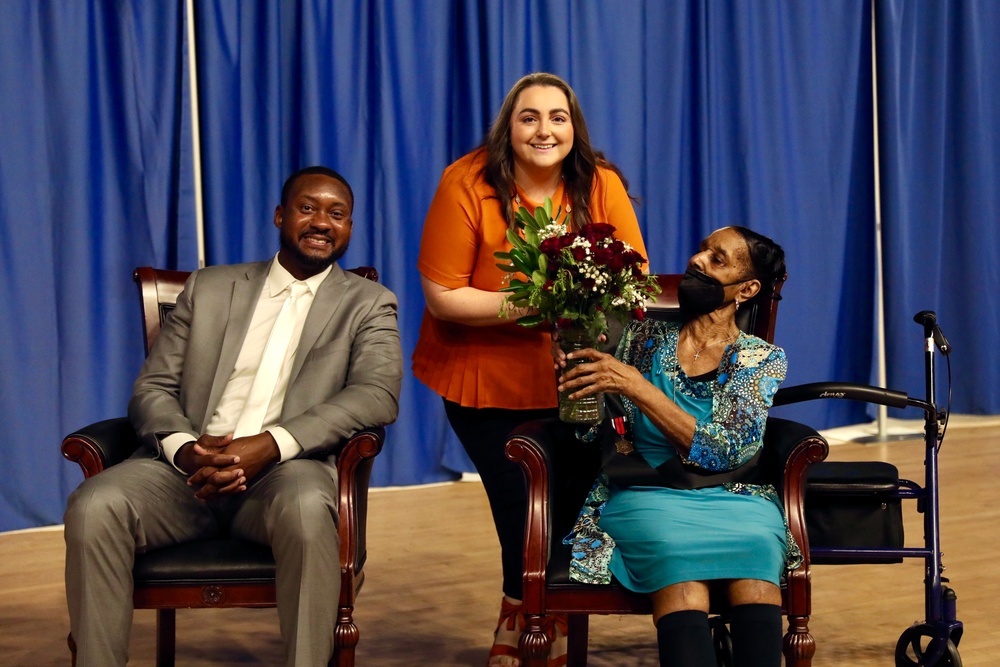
(158, 290)
(757, 317)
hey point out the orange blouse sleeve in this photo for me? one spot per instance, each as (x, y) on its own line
(451, 237)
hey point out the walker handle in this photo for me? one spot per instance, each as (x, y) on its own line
(845, 390)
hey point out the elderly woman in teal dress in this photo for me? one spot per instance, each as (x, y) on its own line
(696, 395)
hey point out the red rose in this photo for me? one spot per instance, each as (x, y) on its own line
(603, 256)
(597, 231)
(616, 263)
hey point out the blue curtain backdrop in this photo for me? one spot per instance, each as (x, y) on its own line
(95, 179)
(718, 113)
(939, 106)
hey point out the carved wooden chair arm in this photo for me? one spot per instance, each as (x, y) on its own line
(100, 445)
(354, 466)
(559, 471)
(798, 446)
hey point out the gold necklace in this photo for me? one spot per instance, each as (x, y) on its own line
(711, 344)
(517, 201)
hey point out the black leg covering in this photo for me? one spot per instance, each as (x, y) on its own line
(756, 632)
(685, 640)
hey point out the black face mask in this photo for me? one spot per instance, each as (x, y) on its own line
(699, 293)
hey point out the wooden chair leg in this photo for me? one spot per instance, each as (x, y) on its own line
(166, 631)
(577, 640)
(534, 643)
(799, 646)
(345, 638)
(72, 648)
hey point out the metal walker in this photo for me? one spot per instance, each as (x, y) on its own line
(933, 642)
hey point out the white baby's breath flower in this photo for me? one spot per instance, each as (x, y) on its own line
(551, 230)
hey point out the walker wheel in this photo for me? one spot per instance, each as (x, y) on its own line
(922, 646)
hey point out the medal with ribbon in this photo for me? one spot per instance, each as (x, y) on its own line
(622, 445)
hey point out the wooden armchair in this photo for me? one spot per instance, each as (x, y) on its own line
(559, 472)
(226, 572)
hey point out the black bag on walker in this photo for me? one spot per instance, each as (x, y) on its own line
(853, 505)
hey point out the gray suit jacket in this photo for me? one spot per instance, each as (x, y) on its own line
(346, 375)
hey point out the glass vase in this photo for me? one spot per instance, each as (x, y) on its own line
(589, 409)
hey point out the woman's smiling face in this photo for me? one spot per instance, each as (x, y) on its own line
(541, 128)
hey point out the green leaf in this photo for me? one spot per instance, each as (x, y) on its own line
(534, 221)
(531, 237)
(520, 254)
(522, 265)
(530, 320)
(515, 240)
(525, 219)
(543, 217)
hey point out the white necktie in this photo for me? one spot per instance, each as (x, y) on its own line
(255, 410)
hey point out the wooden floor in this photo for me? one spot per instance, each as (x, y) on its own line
(433, 587)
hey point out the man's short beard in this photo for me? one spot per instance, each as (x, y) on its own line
(318, 263)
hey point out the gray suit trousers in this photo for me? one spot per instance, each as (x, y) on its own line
(145, 504)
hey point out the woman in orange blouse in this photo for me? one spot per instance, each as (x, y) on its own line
(492, 374)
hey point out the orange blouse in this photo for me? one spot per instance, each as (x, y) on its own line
(502, 366)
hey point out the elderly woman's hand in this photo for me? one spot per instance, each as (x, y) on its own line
(558, 356)
(599, 372)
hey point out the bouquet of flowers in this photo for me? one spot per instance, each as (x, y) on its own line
(574, 280)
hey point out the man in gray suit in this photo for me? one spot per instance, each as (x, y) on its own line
(206, 466)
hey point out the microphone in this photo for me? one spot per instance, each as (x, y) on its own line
(929, 319)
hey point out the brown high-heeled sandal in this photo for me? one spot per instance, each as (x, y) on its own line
(553, 623)
(511, 616)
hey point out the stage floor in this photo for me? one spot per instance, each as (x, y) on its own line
(433, 587)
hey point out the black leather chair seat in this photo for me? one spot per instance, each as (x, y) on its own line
(557, 571)
(215, 561)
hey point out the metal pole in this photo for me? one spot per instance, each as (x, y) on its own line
(879, 303)
(882, 434)
(199, 211)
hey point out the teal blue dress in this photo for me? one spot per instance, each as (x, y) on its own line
(652, 537)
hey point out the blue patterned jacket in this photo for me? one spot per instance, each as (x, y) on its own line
(748, 377)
